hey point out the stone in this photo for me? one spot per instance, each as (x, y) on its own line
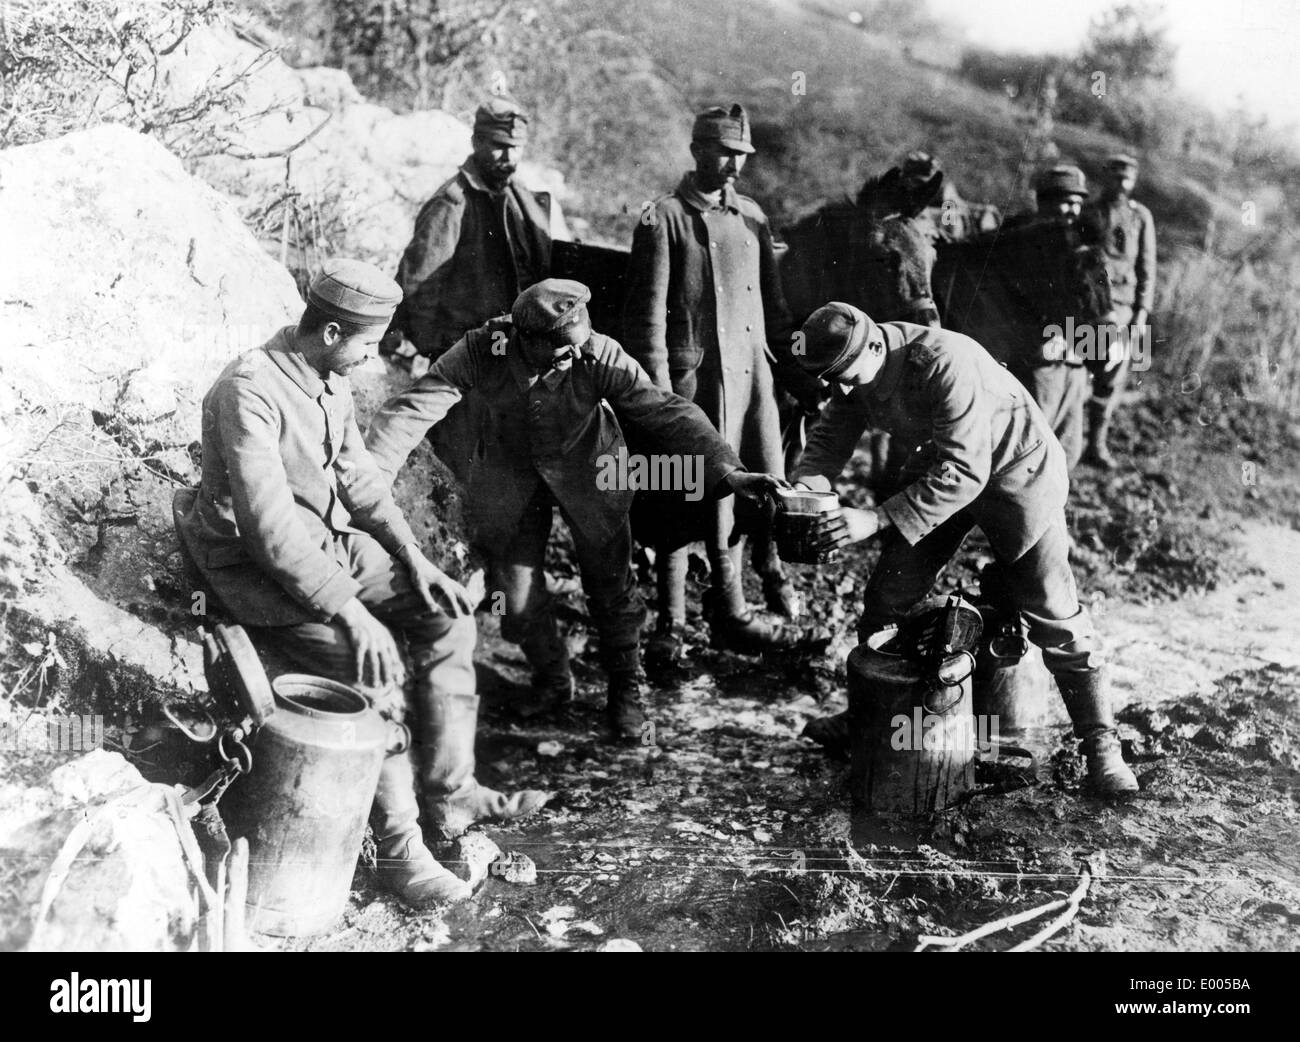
(472, 857)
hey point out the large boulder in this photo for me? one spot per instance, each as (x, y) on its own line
(304, 144)
(131, 284)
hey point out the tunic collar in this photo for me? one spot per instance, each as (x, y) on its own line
(524, 376)
(295, 366)
(896, 349)
(693, 196)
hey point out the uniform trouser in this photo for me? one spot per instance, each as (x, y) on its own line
(1108, 384)
(441, 651)
(726, 552)
(1039, 584)
(516, 573)
(1060, 391)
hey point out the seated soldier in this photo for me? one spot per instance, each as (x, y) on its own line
(552, 389)
(297, 533)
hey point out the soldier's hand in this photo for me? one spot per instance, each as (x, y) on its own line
(754, 486)
(378, 662)
(440, 591)
(844, 525)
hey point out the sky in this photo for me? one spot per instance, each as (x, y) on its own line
(1227, 49)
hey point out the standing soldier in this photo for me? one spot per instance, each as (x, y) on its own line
(297, 533)
(985, 457)
(1128, 240)
(547, 385)
(703, 300)
(479, 241)
(1049, 365)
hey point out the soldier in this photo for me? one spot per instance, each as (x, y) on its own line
(703, 302)
(296, 532)
(1049, 365)
(951, 218)
(547, 383)
(985, 457)
(479, 241)
(1128, 239)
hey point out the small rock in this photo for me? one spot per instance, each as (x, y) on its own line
(473, 856)
(515, 868)
(549, 748)
(619, 944)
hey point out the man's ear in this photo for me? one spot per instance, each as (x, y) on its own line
(331, 333)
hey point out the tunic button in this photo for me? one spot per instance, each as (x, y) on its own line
(721, 330)
(715, 245)
(750, 288)
(749, 329)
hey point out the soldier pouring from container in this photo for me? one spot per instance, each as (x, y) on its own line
(986, 456)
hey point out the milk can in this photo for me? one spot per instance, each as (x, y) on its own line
(912, 740)
(304, 805)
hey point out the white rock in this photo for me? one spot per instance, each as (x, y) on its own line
(619, 944)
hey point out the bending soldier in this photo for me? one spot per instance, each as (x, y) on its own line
(986, 457)
(298, 535)
(550, 390)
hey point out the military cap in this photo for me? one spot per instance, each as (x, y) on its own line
(835, 335)
(920, 165)
(731, 128)
(1121, 161)
(556, 309)
(1058, 181)
(502, 121)
(354, 291)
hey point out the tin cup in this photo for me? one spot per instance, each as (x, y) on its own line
(799, 514)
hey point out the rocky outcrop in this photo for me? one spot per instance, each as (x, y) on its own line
(304, 144)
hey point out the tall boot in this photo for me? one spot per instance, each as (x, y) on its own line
(548, 656)
(1088, 703)
(624, 709)
(1098, 452)
(405, 865)
(453, 798)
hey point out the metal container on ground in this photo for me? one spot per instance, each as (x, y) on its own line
(304, 805)
(1011, 682)
(912, 740)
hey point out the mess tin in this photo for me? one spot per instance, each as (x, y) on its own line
(799, 515)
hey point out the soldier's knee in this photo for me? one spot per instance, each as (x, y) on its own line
(1069, 645)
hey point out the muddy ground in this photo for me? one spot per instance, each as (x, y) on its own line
(731, 832)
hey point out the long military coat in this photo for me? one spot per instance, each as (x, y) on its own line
(285, 470)
(473, 251)
(981, 443)
(1128, 241)
(703, 298)
(555, 429)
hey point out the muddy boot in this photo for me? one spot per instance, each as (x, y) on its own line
(404, 864)
(780, 596)
(624, 709)
(552, 684)
(453, 798)
(750, 635)
(665, 647)
(831, 733)
(1087, 702)
(1097, 451)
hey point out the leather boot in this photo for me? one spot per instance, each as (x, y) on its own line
(780, 595)
(664, 649)
(405, 865)
(548, 655)
(750, 635)
(1088, 703)
(1097, 451)
(453, 798)
(624, 710)
(831, 733)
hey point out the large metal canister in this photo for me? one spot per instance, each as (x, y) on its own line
(304, 805)
(911, 738)
(1011, 683)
